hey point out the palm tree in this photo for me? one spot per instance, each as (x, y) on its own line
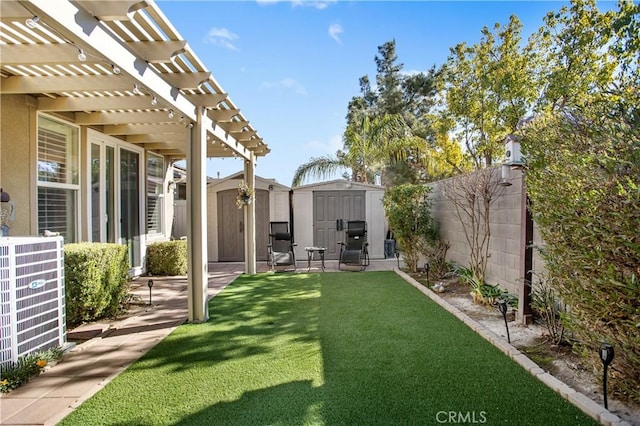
(369, 145)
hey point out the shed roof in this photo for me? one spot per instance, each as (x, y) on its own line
(240, 176)
(343, 183)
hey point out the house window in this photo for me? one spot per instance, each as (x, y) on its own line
(155, 193)
(58, 180)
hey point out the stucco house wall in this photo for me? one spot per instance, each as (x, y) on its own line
(18, 173)
(18, 159)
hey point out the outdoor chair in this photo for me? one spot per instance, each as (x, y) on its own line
(281, 246)
(354, 250)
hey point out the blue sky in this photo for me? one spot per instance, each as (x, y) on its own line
(292, 66)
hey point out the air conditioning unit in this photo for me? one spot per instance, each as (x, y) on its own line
(512, 155)
(32, 298)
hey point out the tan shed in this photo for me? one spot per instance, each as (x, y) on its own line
(225, 222)
(320, 210)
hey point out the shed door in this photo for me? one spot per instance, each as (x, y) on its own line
(328, 208)
(231, 226)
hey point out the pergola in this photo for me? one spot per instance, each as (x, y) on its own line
(121, 68)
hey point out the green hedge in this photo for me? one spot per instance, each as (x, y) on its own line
(167, 258)
(583, 178)
(96, 277)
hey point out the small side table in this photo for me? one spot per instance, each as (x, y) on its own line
(310, 251)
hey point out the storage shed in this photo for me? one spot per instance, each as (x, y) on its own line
(225, 223)
(321, 212)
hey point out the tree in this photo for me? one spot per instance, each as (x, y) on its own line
(488, 89)
(472, 195)
(389, 80)
(390, 130)
(574, 61)
(367, 146)
(408, 210)
(583, 177)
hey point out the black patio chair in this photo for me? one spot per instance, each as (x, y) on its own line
(354, 251)
(281, 246)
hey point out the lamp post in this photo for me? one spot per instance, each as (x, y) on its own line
(606, 356)
(502, 306)
(150, 285)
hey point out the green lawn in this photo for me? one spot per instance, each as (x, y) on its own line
(360, 348)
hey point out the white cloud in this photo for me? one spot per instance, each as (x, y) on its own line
(313, 3)
(318, 4)
(334, 32)
(288, 84)
(221, 37)
(327, 147)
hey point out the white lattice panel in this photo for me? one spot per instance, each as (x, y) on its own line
(32, 299)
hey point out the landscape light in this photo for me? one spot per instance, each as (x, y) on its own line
(606, 356)
(502, 306)
(150, 285)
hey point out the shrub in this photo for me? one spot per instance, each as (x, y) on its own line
(407, 209)
(583, 178)
(27, 367)
(167, 258)
(96, 277)
(437, 258)
(483, 293)
(549, 308)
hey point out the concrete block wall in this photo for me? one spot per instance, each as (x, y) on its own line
(505, 220)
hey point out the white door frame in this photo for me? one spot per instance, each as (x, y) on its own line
(102, 140)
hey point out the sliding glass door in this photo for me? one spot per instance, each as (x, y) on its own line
(116, 195)
(130, 203)
(103, 201)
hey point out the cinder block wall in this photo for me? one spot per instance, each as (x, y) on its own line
(505, 222)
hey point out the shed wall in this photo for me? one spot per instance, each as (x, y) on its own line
(278, 208)
(375, 217)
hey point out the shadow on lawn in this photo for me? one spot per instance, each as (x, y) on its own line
(244, 320)
(293, 403)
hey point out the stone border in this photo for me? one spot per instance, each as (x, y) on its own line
(584, 403)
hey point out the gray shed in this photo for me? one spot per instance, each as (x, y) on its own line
(318, 209)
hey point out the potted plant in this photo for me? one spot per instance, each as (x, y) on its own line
(245, 194)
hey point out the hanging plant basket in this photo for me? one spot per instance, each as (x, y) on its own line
(245, 195)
